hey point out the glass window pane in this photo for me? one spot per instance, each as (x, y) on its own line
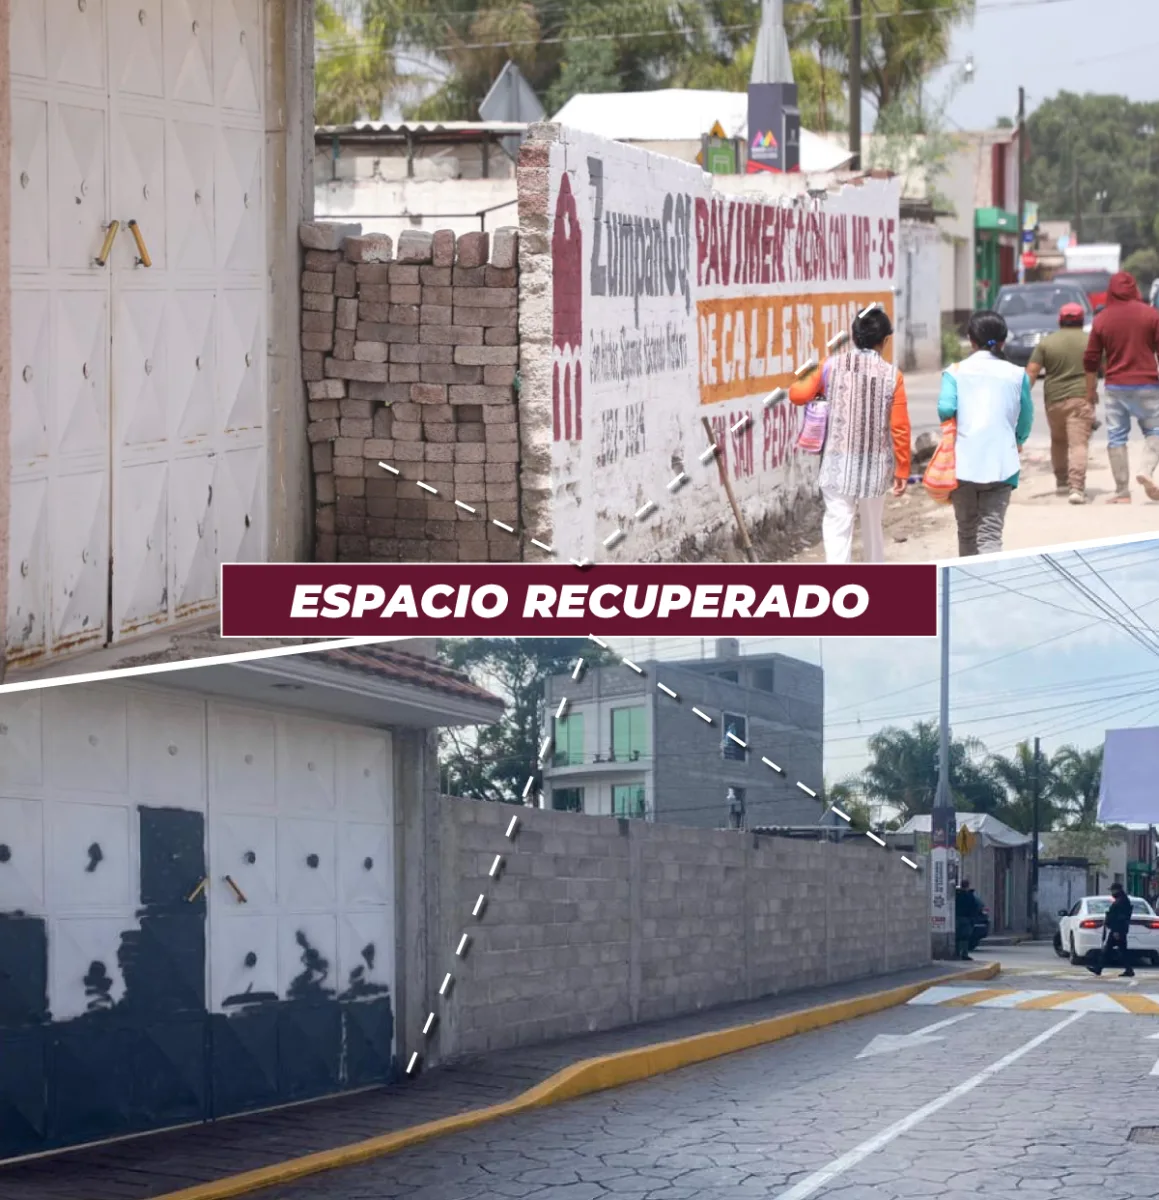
(627, 733)
(628, 800)
(569, 740)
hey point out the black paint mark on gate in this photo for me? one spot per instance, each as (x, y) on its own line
(156, 1056)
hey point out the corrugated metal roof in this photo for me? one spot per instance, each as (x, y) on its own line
(396, 128)
(983, 824)
(682, 115)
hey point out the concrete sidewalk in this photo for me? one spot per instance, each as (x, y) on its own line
(156, 1164)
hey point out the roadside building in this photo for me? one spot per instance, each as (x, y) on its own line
(200, 887)
(998, 866)
(625, 748)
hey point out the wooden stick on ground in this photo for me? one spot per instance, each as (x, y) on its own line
(746, 541)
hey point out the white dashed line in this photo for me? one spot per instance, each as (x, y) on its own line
(702, 715)
(465, 507)
(806, 789)
(461, 948)
(434, 491)
(480, 904)
(667, 691)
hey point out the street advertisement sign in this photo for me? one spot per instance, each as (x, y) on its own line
(774, 128)
(941, 898)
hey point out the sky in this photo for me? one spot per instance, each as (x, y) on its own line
(1030, 655)
(1047, 46)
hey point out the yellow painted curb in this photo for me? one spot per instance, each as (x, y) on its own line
(579, 1079)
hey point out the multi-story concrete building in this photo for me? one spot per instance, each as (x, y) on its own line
(624, 747)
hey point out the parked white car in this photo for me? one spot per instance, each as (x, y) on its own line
(1080, 931)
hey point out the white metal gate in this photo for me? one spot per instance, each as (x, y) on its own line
(138, 442)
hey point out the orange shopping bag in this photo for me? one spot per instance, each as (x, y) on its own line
(941, 476)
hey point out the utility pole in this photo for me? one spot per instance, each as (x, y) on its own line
(943, 820)
(1032, 897)
(1021, 183)
(855, 84)
(1078, 209)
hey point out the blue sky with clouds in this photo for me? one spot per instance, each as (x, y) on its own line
(1031, 654)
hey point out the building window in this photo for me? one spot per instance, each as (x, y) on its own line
(627, 734)
(569, 740)
(763, 679)
(736, 808)
(628, 800)
(728, 676)
(567, 799)
(738, 727)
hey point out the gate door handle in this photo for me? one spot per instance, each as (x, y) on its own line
(143, 259)
(196, 891)
(236, 890)
(111, 231)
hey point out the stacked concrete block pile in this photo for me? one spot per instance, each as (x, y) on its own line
(410, 358)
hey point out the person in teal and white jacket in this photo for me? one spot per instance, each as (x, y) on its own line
(991, 399)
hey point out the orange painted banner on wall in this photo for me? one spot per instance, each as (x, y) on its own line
(751, 344)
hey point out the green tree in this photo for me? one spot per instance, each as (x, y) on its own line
(1097, 158)
(903, 771)
(1144, 265)
(494, 762)
(1077, 777)
(847, 796)
(354, 69)
(1020, 776)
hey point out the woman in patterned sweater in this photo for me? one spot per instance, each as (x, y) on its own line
(867, 444)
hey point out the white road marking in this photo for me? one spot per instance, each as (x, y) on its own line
(887, 1043)
(811, 1184)
(939, 995)
(1010, 999)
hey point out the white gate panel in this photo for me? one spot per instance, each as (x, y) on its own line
(241, 360)
(77, 200)
(21, 856)
(79, 539)
(189, 194)
(237, 30)
(141, 581)
(138, 187)
(167, 751)
(365, 953)
(192, 364)
(29, 186)
(192, 557)
(31, 375)
(90, 863)
(306, 765)
(188, 26)
(241, 508)
(83, 971)
(366, 774)
(367, 865)
(245, 849)
(20, 740)
(76, 42)
(28, 583)
(28, 38)
(307, 862)
(86, 740)
(136, 48)
(238, 200)
(243, 960)
(242, 760)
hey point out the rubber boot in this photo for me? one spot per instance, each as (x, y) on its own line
(1149, 463)
(1121, 471)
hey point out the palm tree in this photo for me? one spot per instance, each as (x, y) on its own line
(1078, 774)
(1019, 775)
(903, 771)
(354, 70)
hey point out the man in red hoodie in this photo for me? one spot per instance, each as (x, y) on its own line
(1125, 337)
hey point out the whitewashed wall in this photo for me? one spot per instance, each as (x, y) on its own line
(918, 342)
(671, 302)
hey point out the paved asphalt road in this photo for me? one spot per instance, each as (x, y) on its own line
(992, 1103)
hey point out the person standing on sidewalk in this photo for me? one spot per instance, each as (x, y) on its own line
(1069, 411)
(991, 401)
(1124, 341)
(965, 914)
(867, 442)
(1117, 924)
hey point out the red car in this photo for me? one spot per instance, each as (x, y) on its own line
(1094, 283)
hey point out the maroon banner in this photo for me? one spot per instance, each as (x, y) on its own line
(330, 600)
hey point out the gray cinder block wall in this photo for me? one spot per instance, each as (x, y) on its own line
(597, 923)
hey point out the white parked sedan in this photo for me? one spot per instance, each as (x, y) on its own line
(1080, 931)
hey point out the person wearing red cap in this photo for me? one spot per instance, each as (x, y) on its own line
(1124, 341)
(1069, 411)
